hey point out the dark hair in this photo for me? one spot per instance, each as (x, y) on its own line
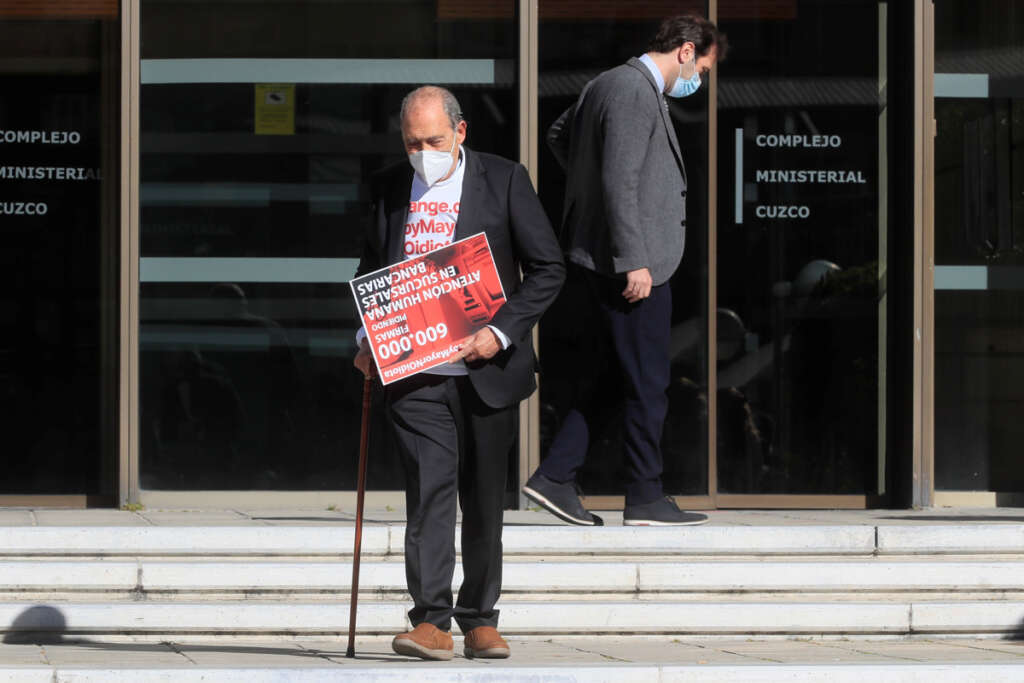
(689, 28)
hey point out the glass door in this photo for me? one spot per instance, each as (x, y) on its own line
(979, 251)
(262, 125)
(811, 263)
(577, 41)
(59, 179)
(804, 273)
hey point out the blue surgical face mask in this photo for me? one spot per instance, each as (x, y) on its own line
(684, 87)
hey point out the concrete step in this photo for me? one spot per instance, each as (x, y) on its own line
(387, 539)
(894, 672)
(628, 576)
(801, 580)
(790, 618)
(564, 659)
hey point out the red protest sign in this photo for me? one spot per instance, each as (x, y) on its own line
(415, 311)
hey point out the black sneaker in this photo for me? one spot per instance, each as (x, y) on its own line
(561, 500)
(660, 512)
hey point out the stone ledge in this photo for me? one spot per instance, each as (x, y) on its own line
(430, 672)
(379, 540)
(517, 617)
(629, 576)
(385, 540)
(952, 538)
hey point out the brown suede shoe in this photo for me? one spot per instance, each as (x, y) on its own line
(486, 643)
(425, 641)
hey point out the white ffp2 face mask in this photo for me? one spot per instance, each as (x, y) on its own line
(431, 165)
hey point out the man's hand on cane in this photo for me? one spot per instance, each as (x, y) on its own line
(364, 360)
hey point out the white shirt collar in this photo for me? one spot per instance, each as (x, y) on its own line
(655, 71)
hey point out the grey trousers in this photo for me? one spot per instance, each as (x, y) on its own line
(453, 447)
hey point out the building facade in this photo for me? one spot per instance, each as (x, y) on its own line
(184, 188)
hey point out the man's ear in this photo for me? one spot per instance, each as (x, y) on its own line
(687, 51)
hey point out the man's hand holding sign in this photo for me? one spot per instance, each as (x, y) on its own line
(480, 346)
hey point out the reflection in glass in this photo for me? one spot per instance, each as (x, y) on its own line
(258, 145)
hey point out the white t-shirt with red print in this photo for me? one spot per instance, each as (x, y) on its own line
(433, 212)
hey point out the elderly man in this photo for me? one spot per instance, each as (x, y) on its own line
(456, 425)
(623, 229)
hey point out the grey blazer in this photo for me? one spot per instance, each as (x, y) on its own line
(625, 199)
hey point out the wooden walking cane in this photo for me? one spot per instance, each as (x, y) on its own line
(364, 437)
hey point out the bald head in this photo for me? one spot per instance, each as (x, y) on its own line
(432, 95)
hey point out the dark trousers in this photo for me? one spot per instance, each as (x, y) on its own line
(452, 443)
(639, 335)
